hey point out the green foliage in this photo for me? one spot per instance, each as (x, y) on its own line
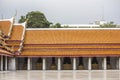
(36, 19)
(108, 25)
(22, 19)
(57, 25)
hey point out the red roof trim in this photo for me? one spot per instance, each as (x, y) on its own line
(72, 44)
(63, 49)
(87, 55)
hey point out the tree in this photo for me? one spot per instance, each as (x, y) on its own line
(108, 25)
(36, 19)
(57, 25)
(22, 19)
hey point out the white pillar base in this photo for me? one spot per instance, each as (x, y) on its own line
(59, 63)
(28, 64)
(44, 64)
(74, 63)
(89, 63)
(31, 63)
(104, 63)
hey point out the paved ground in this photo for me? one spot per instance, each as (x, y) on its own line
(60, 75)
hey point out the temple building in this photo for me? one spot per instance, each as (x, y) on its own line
(24, 48)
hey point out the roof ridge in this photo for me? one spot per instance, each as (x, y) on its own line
(72, 29)
(11, 26)
(22, 37)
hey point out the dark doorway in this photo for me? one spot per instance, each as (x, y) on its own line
(67, 63)
(95, 65)
(81, 64)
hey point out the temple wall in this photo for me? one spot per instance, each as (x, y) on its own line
(48, 63)
(85, 62)
(100, 61)
(34, 61)
(113, 62)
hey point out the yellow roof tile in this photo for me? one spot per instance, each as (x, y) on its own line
(5, 26)
(71, 36)
(17, 32)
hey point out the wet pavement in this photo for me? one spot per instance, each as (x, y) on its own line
(61, 75)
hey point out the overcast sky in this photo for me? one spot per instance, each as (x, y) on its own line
(65, 11)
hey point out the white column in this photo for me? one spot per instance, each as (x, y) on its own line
(89, 63)
(59, 63)
(104, 63)
(1, 63)
(74, 63)
(28, 64)
(6, 63)
(12, 63)
(44, 64)
(119, 63)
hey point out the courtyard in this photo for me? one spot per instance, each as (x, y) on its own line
(61, 75)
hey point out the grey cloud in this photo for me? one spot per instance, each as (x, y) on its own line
(65, 11)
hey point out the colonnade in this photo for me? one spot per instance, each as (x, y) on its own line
(74, 64)
(9, 63)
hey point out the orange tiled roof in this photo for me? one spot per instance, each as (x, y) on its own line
(71, 36)
(5, 26)
(17, 32)
(16, 36)
(98, 42)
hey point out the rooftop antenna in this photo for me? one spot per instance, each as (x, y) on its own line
(15, 15)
